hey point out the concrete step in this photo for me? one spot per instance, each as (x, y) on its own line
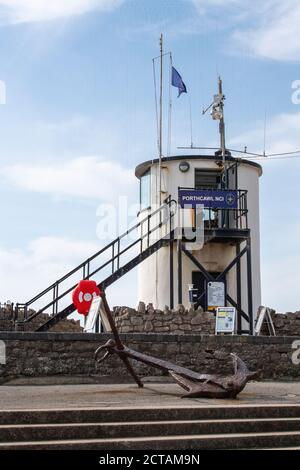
(280, 448)
(173, 428)
(48, 432)
(148, 413)
(182, 442)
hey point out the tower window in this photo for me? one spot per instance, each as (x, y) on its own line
(207, 179)
(145, 191)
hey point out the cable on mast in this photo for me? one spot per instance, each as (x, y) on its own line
(160, 114)
(191, 123)
(253, 156)
(265, 129)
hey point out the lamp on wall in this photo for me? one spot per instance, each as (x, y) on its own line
(184, 167)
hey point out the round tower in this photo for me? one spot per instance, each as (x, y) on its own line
(230, 250)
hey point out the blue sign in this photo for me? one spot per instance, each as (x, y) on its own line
(209, 198)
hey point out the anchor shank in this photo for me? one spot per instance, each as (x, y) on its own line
(163, 365)
(111, 321)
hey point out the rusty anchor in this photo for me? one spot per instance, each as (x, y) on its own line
(197, 385)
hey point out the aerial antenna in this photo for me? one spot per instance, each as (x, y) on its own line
(217, 113)
(191, 124)
(265, 129)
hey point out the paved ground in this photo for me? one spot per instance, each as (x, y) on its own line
(157, 394)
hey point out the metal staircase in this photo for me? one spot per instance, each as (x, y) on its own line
(106, 266)
(157, 229)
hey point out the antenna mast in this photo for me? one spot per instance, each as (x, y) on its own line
(221, 99)
(217, 113)
(160, 115)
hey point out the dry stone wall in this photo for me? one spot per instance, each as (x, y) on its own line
(286, 324)
(7, 322)
(145, 319)
(179, 321)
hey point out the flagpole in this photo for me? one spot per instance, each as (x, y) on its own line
(160, 115)
(170, 108)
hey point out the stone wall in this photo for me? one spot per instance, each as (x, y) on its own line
(146, 319)
(286, 324)
(178, 321)
(72, 354)
(7, 322)
(188, 321)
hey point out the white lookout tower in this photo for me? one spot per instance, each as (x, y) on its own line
(227, 261)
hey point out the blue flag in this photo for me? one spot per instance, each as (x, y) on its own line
(177, 82)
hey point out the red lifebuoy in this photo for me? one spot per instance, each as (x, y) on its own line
(83, 295)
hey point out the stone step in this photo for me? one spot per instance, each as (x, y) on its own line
(148, 413)
(280, 448)
(182, 442)
(49, 432)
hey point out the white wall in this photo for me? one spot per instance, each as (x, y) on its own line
(153, 285)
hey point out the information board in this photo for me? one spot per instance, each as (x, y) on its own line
(225, 320)
(215, 294)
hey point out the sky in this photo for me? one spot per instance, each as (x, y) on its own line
(79, 115)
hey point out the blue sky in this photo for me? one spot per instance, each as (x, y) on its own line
(80, 115)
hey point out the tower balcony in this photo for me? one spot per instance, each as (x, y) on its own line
(223, 213)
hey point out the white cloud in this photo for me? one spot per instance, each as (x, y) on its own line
(77, 123)
(268, 29)
(281, 295)
(25, 272)
(282, 135)
(275, 35)
(84, 177)
(23, 11)
(204, 5)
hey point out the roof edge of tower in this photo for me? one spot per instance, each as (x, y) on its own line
(145, 166)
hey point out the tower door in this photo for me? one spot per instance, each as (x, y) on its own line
(199, 282)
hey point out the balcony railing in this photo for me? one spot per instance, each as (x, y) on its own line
(226, 218)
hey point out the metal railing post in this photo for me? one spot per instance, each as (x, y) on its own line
(148, 231)
(118, 258)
